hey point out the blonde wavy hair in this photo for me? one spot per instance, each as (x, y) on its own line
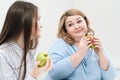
(62, 32)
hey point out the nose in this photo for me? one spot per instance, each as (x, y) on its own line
(76, 25)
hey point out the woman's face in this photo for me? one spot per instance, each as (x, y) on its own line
(36, 33)
(76, 26)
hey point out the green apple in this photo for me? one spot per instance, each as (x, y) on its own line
(92, 46)
(42, 57)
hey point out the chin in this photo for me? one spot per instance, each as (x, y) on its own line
(39, 36)
(36, 37)
(80, 36)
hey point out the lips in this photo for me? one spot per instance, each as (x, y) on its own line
(78, 31)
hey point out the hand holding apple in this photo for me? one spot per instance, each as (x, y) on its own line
(91, 37)
(42, 57)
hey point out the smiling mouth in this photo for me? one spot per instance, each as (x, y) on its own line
(78, 31)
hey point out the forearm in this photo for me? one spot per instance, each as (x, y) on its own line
(110, 73)
(76, 59)
(107, 69)
(61, 69)
(103, 61)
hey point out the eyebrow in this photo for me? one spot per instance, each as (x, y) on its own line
(71, 21)
(78, 18)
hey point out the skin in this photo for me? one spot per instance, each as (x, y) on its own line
(76, 27)
(37, 33)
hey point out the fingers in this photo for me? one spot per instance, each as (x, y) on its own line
(97, 42)
(38, 70)
(49, 64)
(86, 41)
(98, 45)
(37, 63)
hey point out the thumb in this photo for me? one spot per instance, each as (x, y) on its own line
(37, 63)
(48, 62)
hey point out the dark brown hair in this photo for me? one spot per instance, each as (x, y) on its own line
(19, 19)
(62, 32)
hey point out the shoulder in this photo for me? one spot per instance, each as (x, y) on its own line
(8, 56)
(3, 48)
(59, 41)
(59, 44)
(5, 52)
(3, 57)
(60, 48)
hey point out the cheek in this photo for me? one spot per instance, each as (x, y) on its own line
(70, 32)
(32, 34)
(33, 28)
(34, 31)
(38, 33)
(35, 34)
(85, 27)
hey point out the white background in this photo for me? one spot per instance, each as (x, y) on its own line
(104, 16)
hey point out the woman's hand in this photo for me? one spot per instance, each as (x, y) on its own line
(83, 46)
(103, 60)
(98, 46)
(36, 71)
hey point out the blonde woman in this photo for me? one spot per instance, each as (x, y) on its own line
(72, 56)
